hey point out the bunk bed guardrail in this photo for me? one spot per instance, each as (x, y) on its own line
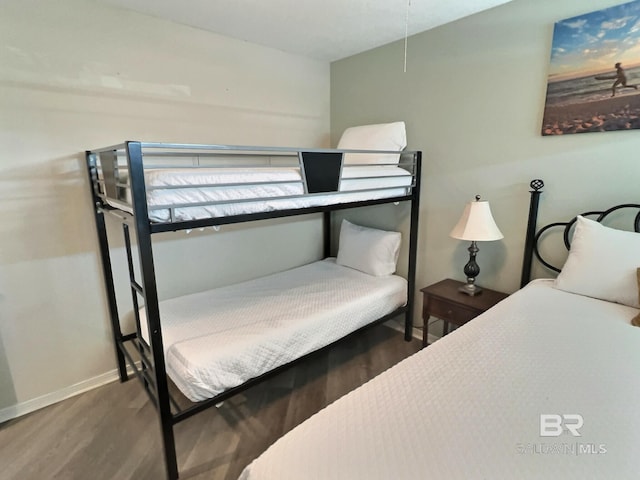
(285, 179)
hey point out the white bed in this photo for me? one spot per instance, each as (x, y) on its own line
(469, 406)
(219, 339)
(191, 194)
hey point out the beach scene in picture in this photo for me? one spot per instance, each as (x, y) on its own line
(594, 72)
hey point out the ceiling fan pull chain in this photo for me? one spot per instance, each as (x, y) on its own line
(406, 35)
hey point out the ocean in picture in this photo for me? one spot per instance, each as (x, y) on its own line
(586, 104)
(588, 89)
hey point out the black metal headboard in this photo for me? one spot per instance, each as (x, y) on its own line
(533, 236)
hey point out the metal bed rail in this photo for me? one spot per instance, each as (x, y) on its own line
(312, 177)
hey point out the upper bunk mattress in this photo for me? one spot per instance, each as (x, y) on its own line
(258, 190)
(221, 338)
(470, 405)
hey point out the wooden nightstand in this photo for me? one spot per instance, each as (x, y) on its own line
(444, 301)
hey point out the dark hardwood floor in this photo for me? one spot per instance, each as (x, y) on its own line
(112, 432)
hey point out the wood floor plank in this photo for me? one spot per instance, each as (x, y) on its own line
(113, 432)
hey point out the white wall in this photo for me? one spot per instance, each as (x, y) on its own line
(473, 97)
(75, 75)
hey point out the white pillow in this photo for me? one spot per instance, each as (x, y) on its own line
(369, 250)
(602, 263)
(383, 136)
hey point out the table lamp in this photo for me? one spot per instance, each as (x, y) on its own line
(476, 225)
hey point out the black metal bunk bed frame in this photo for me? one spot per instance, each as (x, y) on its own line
(320, 171)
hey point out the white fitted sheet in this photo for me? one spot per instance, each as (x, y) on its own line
(469, 406)
(219, 339)
(389, 181)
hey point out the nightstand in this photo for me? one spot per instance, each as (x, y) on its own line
(444, 301)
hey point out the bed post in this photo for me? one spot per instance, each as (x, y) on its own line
(107, 271)
(413, 247)
(150, 295)
(529, 243)
(326, 230)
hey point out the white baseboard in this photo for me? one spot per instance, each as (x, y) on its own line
(34, 404)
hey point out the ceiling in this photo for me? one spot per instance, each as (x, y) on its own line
(321, 29)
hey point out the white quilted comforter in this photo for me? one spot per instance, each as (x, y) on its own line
(469, 406)
(220, 338)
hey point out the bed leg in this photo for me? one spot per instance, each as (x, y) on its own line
(327, 234)
(169, 447)
(413, 249)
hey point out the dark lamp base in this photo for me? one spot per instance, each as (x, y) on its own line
(471, 271)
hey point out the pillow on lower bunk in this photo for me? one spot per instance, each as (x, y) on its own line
(369, 250)
(382, 136)
(602, 263)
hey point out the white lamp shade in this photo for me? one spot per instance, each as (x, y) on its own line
(476, 224)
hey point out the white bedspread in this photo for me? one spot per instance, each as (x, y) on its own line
(387, 181)
(469, 406)
(218, 339)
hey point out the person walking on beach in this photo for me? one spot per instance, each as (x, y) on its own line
(621, 79)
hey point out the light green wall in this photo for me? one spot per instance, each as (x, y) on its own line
(472, 98)
(76, 75)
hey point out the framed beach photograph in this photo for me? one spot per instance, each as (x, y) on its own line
(594, 72)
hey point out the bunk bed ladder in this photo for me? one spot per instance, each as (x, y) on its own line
(107, 271)
(142, 347)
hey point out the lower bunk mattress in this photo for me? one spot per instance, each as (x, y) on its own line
(219, 339)
(470, 406)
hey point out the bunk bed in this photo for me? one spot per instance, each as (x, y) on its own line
(150, 188)
(543, 385)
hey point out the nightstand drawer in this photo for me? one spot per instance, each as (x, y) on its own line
(444, 300)
(450, 312)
